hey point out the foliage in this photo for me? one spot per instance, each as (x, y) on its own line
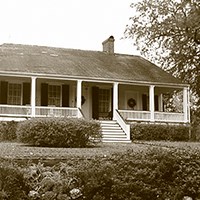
(159, 132)
(168, 33)
(12, 183)
(59, 132)
(154, 173)
(55, 182)
(8, 130)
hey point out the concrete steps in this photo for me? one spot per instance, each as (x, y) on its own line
(112, 132)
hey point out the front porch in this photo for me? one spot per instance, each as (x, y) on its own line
(17, 111)
(27, 97)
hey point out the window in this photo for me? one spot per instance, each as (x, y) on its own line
(54, 93)
(14, 93)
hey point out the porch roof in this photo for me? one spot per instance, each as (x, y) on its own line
(17, 58)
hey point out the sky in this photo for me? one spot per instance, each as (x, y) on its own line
(76, 24)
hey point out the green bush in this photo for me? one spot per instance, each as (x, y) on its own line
(8, 131)
(155, 173)
(152, 174)
(59, 132)
(12, 183)
(159, 132)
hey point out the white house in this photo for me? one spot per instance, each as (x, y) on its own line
(37, 81)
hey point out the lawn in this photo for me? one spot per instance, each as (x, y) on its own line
(20, 151)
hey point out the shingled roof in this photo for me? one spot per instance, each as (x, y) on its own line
(82, 64)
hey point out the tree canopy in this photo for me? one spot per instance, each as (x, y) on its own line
(168, 33)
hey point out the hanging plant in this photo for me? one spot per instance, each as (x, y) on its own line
(83, 99)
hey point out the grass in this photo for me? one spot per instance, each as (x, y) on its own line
(19, 151)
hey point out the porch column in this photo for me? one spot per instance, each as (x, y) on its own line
(115, 98)
(185, 104)
(151, 102)
(161, 103)
(78, 93)
(33, 95)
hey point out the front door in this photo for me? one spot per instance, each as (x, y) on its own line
(101, 103)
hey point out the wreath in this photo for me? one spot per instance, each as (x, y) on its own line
(131, 103)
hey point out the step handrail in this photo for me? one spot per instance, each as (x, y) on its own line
(80, 113)
(125, 127)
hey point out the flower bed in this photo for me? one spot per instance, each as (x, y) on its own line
(154, 173)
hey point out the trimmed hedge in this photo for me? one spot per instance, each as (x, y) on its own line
(8, 130)
(159, 132)
(59, 132)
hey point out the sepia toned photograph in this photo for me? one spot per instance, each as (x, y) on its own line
(100, 100)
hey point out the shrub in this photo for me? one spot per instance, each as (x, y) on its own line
(152, 174)
(8, 130)
(155, 173)
(12, 183)
(159, 132)
(59, 132)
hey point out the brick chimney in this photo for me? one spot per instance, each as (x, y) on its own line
(108, 45)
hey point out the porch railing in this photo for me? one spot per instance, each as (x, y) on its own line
(40, 111)
(133, 115)
(169, 117)
(15, 111)
(125, 127)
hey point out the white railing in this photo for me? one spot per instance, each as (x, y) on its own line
(42, 111)
(15, 111)
(133, 115)
(125, 127)
(169, 117)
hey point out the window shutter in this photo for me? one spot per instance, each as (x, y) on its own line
(26, 93)
(144, 102)
(4, 92)
(111, 112)
(156, 102)
(65, 95)
(44, 94)
(95, 102)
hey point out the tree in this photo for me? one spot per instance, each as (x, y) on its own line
(167, 32)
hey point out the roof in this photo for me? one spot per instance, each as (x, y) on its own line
(17, 58)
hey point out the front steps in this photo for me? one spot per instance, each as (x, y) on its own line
(112, 132)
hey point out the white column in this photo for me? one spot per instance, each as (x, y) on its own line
(161, 103)
(151, 102)
(33, 95)
(115, 98)
(78, 93)
(185, 104)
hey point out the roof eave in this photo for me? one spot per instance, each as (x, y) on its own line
(91, 79)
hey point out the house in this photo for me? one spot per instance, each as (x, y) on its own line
(37, 81)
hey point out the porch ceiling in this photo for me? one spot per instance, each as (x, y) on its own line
(80, 63)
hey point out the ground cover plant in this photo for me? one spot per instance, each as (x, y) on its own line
(152, 172)
(12, 182)
(59, 132)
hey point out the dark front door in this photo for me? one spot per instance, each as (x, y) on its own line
(101, 107)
